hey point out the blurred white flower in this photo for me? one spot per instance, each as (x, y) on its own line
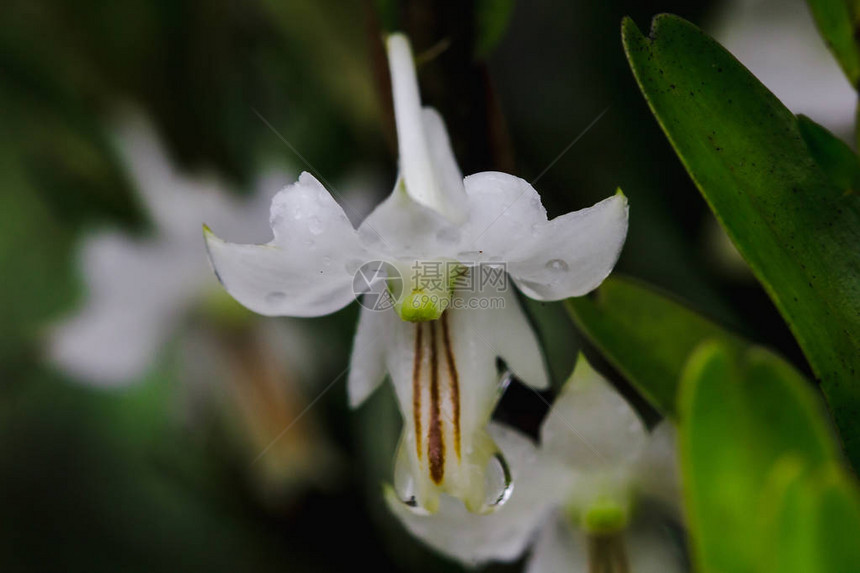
(140, 289)
(779, 43)
(143, 292)
(438, 344)
(579, 492)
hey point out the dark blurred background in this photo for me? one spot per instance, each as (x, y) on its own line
(162, 470)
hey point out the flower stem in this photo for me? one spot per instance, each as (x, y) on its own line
(607, 553)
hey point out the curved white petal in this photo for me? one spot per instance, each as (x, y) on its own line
(178, 202)
(426, 159)
(447, 383)
(496, 326)
(591, 426)
(307, 270)
(448, 174)
(549, 260)
(657, 469)
(558, 548)
(367, 363)
(504, 214)
(574, 252)
(401, 228)
(474, 538)
(136, 293)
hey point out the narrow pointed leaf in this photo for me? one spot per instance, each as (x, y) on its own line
(832, 154)
(798, 231)
(739, 418)
(646, 335)
(837, 23)
(810, 520)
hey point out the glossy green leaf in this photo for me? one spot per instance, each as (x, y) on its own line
(837, 23)
(832, 154)
(646, 335)
(741, 415)
(799, 233)
(810, 521)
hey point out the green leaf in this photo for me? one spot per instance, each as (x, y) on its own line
(810, 520)
(831, 153)
(798, 232)
(739, 417)
(491, 20)
(646, 335)
(837, 23)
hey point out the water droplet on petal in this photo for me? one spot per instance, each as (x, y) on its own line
(499, 483)
(315, 226)
(275, 297)
(448, 235)
(404, 487)
(326, 261)
(504, 381)
(557, 265)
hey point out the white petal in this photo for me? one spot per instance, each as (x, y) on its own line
(137, 293)
(426, 159)
(549, 260)
(500, 330)
(448, 174)
(451, 388)
(367, 363)
(503, 212)
(590, 425)
(401, 227)
(573, 253)
(650, 549)
(559, 548)
(307, 270)
(657, 469)
(473, 538)
(178, 202)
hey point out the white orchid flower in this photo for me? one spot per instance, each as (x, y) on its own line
(604, 462)
(140, 290)
(577, 494)
(438, 344)
(143, 292)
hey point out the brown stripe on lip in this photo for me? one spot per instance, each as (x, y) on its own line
(454, 379)
(435, 443)
(416, 387)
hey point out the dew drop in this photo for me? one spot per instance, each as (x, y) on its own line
(404, 487)
(315, 226)
(448, 235)
(275, 297)
(499, 483)
(557, 265)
